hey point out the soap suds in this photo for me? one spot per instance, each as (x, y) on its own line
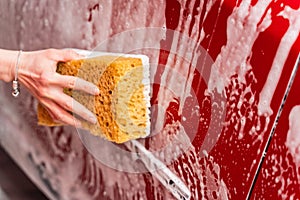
(287, 41)
(293, 137)
(242, 32)
(73, 173)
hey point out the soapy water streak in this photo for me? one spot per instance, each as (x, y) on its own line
(175, 84)
(192, 169)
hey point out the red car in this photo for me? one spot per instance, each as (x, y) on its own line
(225, 101)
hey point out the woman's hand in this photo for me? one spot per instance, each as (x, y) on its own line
(37, 71)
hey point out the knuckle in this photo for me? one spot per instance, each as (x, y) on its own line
(44, 92)
(71, 82)
(53, 54)
(44, 78)
(69, 104)
(71, 54)
(59, 116)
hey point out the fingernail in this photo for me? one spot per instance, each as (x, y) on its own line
(93, 119)
(78, 124)
(96, 91)
(80, 56)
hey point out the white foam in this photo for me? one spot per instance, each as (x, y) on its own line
(293, 135)
(242, 32)
(282, 53)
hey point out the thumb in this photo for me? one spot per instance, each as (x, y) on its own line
(69, 54)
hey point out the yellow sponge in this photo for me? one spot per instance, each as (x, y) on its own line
(122, 107)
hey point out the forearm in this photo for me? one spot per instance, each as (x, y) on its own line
(8, 60)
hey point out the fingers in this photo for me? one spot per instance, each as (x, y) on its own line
(64, 80)
(62, 54)
(69, 54)
(75, 83)
(47, 85)
(68, 103)
(59, 115)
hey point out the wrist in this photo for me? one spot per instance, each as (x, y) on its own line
(15, 68)
(23, 63)
(23, 60)
(7, 64)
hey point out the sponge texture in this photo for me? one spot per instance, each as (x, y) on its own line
(122, 107)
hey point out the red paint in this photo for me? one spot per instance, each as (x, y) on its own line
(266, 185)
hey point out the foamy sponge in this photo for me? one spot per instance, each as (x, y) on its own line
(122, 107)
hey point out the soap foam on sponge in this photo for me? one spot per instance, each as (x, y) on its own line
(123, 106)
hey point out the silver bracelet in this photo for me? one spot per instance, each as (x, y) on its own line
(16, 85)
